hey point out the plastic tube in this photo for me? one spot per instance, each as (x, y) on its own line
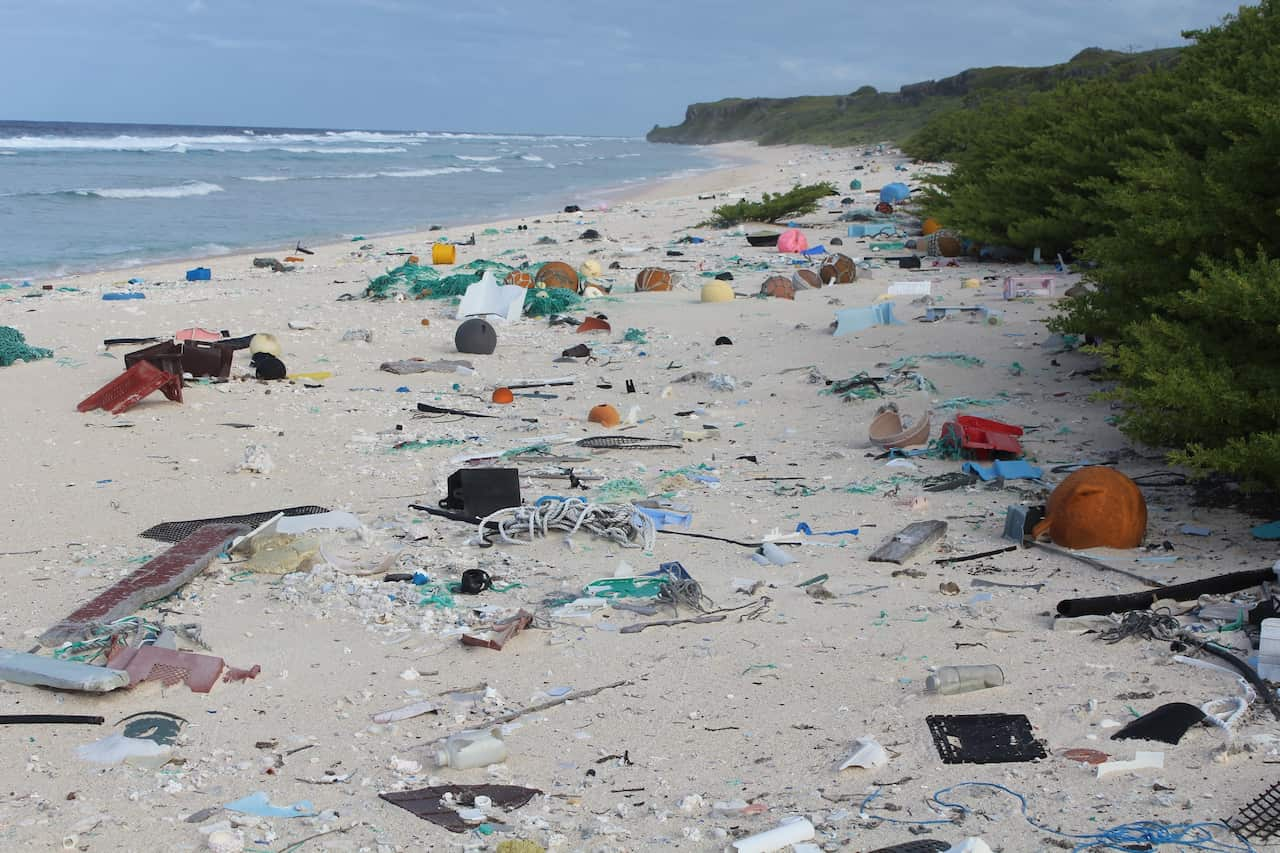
(789, 832)
(1220, 585)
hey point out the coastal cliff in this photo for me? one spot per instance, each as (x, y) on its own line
(867, 115)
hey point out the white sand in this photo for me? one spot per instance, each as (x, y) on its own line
(760, 710)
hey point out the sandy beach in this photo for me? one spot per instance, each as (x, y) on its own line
(715, 730)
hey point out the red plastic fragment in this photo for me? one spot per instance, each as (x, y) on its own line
(501, 633)
(156, 579)
(152, 663)
(128, 389)
(982, 438)
(233, 674)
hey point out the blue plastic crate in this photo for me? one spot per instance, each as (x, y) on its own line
(199, 274)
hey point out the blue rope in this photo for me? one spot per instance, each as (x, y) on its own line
(1125, 836)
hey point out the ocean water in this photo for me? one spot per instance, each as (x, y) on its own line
(81, 197)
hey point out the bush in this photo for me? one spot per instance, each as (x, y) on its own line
(795, 202)
(1167, 184)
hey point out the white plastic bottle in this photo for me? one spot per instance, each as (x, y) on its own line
(466, 750)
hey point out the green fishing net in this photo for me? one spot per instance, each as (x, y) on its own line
(542, 302)
(409, 275)
(452, 285)
(13, 347)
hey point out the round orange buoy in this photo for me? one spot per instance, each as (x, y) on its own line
(779, 287)
(519, 278)
(595, 324)
(503, 395)
(806, 278)
(949, 247)
(652, 279)
(426, 322)
(413, 259)
(838, 269)
(557, 274)
(929, 226)
(605, 415)
(1095, 507)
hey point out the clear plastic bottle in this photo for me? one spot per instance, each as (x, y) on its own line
(963, 679)
(466, 750)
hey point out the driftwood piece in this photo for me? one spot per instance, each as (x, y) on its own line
(909, 541)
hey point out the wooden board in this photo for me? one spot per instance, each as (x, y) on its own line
(909, 541)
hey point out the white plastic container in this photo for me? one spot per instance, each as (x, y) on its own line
(1269, 650)
(790, 831)
(466, 750)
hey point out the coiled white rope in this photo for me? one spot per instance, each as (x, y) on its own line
(619, 523)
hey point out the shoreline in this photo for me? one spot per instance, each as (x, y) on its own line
(758, 709)
(741, 160)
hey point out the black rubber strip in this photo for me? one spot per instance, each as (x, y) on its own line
(43, 719)
(1107, 604)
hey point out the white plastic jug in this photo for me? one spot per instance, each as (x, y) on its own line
(1269, 650)
(472, 749)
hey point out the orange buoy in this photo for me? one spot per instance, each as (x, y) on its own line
(779, 287)
(519, 278)
(557, 274)
(605, 415)
(838, 269)
(1095, 507)
(651, 279)
(806, 279)
(929, 226)
(413, 259)
(426, 322)
(503, 396)
(595, 323)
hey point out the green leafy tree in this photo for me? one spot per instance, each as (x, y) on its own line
(772, 207)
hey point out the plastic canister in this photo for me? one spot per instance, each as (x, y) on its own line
(1269, 650)
(465, 750)
(443, 253)
(963, 679)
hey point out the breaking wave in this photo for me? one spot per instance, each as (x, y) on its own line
(179, 191)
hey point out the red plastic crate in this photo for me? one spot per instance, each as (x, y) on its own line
(982, 438)
(127, 389)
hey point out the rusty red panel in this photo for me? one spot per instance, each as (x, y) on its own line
(158, 578)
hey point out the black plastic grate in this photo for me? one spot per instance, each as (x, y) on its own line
(921, 846)
(1260, 819)
(984, 738)
(176, 531)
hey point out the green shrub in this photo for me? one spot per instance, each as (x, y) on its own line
(1167, 184)
(773, 206)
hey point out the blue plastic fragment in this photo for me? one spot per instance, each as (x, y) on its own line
(1269, 531)
(1004, 469)
(663, 518)
(118, 296)
(259, 805)
(804, 528)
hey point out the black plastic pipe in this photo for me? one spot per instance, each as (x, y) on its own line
(1107, 604)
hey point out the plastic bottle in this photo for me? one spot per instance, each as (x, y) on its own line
(472, 749)
(962, 679)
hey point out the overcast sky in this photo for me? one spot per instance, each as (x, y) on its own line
(546, 66)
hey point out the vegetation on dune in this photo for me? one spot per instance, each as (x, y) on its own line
(772, 207)
(1165, 186)
(867, 115)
